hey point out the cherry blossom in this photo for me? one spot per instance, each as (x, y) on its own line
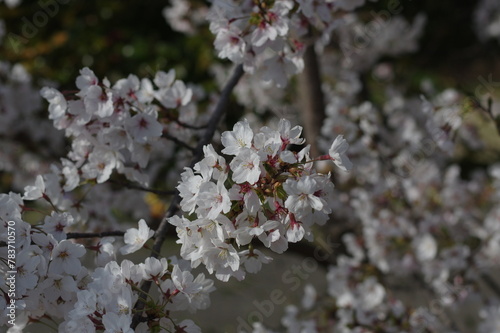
(135, 238)
(143, 126)
(117, 323)
(277, 193)
(246, 167)
(65, 258)
(36, 191)
(240, 137)
(338, 151)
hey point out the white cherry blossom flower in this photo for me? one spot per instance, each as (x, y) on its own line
(221, 255)
(289, 134)
(86, 80)
(164, 80)
(131, 272)
(70, 172)
(230, 44)
(276, 24)
(253, 260)
(175, 96)
(27, 275)
(154, 268)
(246, 167)
(211, 165)
(338, 151)
(114, 323)
(86, 304)
(57, 102)
(213, 199)
(189, 189)
(184, 282)
(135, 238)
(99, 101)
(240, 137)
(65, 258)
(302, 195)
(101, 163)
(143, 126)
(105, 251)
(34, 192)
(55, 224)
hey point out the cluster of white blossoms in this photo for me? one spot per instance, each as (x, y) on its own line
(52, 280)
(112, 128)
(108, 299)
(270, 35)
(414, 217)
(128, 128)
(266, 192)
(116, 127)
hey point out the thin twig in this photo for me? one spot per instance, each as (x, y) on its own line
(170, 117)
(133, 186)
(491, 283)
(94, 234)
(161, 232)
(496, 119)
(183, 124)
(488, 110)
(177, 141)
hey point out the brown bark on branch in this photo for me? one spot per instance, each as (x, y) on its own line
(94, 234)
(312, 99)
(133, 186)
(177, 141)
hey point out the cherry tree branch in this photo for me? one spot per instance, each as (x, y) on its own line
(161, 232)
(177, 141)
(94, 234)
(496, 119)
(133, 186)
(312, 97)
(183, 124)
(490, 282)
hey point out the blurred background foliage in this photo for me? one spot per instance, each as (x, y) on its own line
(114, 38)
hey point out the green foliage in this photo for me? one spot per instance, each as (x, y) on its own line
(114, 38)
